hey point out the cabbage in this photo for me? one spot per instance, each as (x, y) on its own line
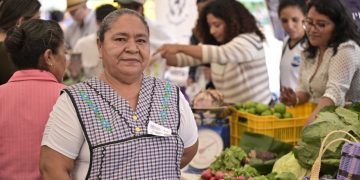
(289, 164)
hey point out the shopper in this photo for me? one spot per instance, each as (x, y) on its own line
(292, 14)
(330, 69)
(13, 12)
(83, 24)
(87, 47)
(37, 49)
(233, 44)
(122, 125)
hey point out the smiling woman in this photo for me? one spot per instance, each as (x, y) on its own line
(330, 69)
(123, 124)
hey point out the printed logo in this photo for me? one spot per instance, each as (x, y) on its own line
(296, 61)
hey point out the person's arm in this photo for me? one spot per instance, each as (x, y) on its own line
(62, 141)
(189, 154)
(187, 131)
(324, 101)
(243, 48)
(194, 51)
(341, 71)
(180, 55)
(54, 165)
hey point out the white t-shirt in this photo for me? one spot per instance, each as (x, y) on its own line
(290, 63)
(158, 36)
(89, 55)
(63, 133)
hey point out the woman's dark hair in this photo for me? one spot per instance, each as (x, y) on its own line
(113, 16)
(30, 40)
(12, 10)
(237, 18)
(131, 5)
(345, 27)
(102, 11)
(297, 3)
(56, 15)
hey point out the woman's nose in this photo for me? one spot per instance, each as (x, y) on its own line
(132, 47)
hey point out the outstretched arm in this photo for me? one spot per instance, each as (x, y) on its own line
(169, 52)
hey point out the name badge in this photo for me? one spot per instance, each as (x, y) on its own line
(158, 130)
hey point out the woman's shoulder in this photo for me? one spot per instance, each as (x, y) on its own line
(248, 39)
(248, 35)
(349, 44)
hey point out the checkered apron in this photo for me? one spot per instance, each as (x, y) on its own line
(349, 167)
(120, 147)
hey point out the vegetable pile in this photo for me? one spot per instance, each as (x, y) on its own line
(230, 165)
(331, 118)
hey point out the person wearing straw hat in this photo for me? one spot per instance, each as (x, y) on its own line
(84, 24)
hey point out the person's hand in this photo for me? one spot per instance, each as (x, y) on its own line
(168, 49)
(168, 52)
(288, 96)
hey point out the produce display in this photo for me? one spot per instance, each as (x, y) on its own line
(330, 119)
(301, 160)
(232, 165)
(279, 109)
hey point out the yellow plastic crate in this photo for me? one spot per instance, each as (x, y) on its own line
(287, 130)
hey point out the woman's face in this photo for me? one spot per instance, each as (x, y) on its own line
(125, 51)
(292, 20)
(319, 28)
(217, 27)
(58, 68)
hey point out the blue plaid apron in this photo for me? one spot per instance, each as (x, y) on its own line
(120, 147)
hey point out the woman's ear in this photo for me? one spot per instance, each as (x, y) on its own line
(48, 57)
(20, 21)
(99, 45)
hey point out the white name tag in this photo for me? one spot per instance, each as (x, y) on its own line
(158, 130)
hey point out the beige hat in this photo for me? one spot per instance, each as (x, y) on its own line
(129, 1)
(73, 4)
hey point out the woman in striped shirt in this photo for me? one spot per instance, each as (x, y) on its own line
(233, 45)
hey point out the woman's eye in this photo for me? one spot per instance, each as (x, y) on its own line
(284, 21)
(321, 25)
(141, 41)
(120, 39)
(295, 20)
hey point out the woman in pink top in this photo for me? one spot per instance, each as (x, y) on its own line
(37, 49)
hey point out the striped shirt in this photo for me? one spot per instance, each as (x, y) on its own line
(238, 68)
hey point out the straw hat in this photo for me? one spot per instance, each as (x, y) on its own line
(73, 4)
(129, 1)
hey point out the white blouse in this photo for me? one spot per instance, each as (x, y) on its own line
(338, 76)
